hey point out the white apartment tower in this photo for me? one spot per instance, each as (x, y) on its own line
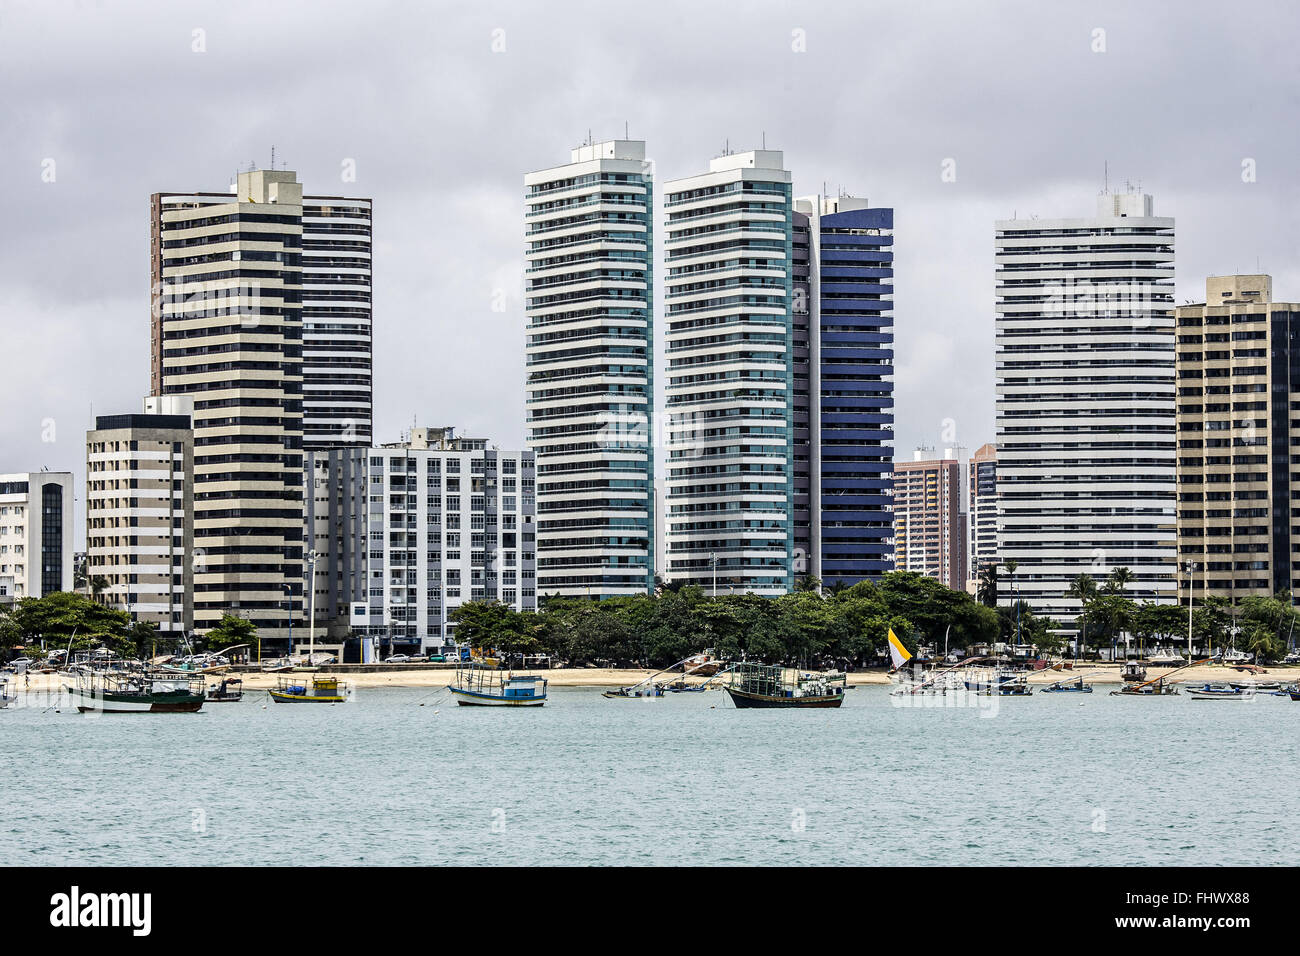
(1085, 402)
(728, 302)
(35, 534)
(590, 385)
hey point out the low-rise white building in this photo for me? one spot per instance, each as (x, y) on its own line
(405, 533)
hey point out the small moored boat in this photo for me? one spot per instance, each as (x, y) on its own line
(126, 692)
(1073, 686)
(1217, 692)
(317, 690)
(1133, 671)
(763, 685)
(477, 684)
(230, 690)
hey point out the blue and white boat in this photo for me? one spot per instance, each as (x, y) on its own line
(480, 685)
(1217, 692)
(1074, 685)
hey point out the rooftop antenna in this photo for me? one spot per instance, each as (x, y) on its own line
(272, 156)
(1105, 178)
(625, 132)
(765, 139)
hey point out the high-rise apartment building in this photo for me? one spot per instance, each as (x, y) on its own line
(1085, 401)
(139, 501)
(590, 387)
(982, 511)
(337, 383)
(929, 523)
(730, 403)
(1238, 387)
(843, 409)
(335, 258)
(227, 332)
(405, 533)
(35, 534)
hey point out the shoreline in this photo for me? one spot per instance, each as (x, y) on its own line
(623, 677)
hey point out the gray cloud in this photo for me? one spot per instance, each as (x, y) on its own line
(442, 129)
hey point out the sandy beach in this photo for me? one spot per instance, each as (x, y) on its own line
(400, 676)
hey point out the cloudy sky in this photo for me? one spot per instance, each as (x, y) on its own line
(441, 108)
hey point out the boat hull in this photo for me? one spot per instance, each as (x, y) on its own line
(468, 698)
(745, 699)
(133, 704)
(282, 698)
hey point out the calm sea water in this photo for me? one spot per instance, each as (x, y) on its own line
(1050, 779)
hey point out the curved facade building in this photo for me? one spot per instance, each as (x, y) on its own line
(590, 382)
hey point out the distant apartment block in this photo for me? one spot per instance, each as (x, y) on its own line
(35, 534)
(590, 383)
(982, 511)
(1085, 401)
(139, 507)
(407, 532)
(929, 524)
(1238, 431)
(843, 402)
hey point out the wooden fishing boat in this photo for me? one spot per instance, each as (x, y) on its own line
(1257, 686)
(998, 683)
(319, 690)
(480, 685)
(1154, 688)
(1133, 671)
(1217, 692)
(763, 685)
(1072, 686)
(230, 690)
(1157, 687)
(125, 692)
(639, 691)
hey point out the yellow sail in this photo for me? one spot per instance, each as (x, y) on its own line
(897, 652)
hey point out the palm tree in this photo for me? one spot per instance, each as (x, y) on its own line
(1119, 579)
(98, 584)
(987, 591)
(1011, 564)
(1115, 584)
(1084, 590)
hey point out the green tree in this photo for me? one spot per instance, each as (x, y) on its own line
(987, 591)
(231, 629)
(1212, 622)
(64, 619)
(1084, 590)
(1118, 580)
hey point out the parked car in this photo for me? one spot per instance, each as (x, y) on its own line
(398, 659)
(418, 658)
(437, 659)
